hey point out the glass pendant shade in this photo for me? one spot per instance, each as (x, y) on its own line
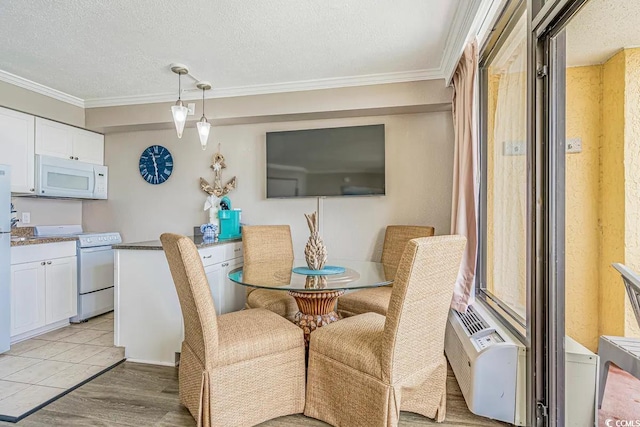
(203, 130)
(179, 112)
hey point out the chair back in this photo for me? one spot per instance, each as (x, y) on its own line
(632, 283)
(196, 301)
(266, 243)
(419, 305)
(396, 238)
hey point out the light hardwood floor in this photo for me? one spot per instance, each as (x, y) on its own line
(143, 395)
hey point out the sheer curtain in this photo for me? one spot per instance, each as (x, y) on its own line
(464, 199)
(507, 178)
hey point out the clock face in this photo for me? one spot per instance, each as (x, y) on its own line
(156, 164)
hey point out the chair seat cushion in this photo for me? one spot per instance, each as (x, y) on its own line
(354, 341)
(249, 334)
(371, 300)
(279, 302)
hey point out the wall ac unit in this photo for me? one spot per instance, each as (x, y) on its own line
(489, 363)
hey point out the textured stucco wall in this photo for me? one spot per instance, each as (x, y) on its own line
(612, 195)
(583, 115)
(632, 175)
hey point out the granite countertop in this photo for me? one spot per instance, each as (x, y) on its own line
(155, 245)
(23, 236)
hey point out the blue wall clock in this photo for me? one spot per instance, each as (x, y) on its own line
(156, 164)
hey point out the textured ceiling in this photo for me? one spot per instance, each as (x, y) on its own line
(600, 29)
(97, 49)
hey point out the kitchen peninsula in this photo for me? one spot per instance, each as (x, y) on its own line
(148, 319)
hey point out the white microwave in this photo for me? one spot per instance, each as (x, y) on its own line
(56, 177)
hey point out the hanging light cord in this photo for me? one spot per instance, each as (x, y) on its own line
(203, 115)
(179, 86)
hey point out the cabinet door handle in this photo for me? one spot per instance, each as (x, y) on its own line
(237, 250)
(71, 157)
(48, 262)
(32, 190)
(207, 256)
(224, 264)
(75, 158)
(42, 263)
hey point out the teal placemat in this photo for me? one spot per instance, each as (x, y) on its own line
(326, 271)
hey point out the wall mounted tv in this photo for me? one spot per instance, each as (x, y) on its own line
(346, 161)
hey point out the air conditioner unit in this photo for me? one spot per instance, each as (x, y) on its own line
(489, 363)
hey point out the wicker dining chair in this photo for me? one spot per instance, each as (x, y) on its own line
(237, 369)
(376, 300)
(269, 243)
(365, 369)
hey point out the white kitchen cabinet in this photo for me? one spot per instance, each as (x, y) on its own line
(44, 288)
(68, 142)
(61, 293)
(227, 296)
(17, 148)
(215, 278)
(88, 147)
(27, 297)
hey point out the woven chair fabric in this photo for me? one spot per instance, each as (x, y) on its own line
(407, 369)
(235, 368)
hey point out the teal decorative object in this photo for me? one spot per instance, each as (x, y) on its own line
(327, 270)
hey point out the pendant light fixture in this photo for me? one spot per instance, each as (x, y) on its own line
(203, 124)
(179, 110)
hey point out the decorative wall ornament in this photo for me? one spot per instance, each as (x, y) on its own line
(315, 252)
(216, 191)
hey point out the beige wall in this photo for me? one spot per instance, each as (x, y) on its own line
(419, 155)
(44, 211)
(359, 101)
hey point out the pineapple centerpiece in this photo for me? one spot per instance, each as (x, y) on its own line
(315, 252)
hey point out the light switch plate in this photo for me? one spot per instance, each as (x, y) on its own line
(192, 108)
(574, 145)
(514, 148)
(26, 217)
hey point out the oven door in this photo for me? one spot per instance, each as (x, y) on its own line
(95, 269)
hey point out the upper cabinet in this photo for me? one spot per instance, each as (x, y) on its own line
(68, 142)
(17, 149)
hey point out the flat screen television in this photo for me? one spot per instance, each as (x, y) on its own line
(346, 161)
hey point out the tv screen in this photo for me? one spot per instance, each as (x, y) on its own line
(347, 161)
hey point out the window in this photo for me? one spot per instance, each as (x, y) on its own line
(504, 150)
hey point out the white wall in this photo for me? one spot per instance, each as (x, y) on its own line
(419, 156)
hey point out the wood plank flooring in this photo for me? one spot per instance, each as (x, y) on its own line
(144, 395)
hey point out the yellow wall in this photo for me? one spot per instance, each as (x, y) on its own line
(583, 116)
(632, 176)
(612, 196)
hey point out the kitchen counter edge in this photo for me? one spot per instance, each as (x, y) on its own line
(155, 245)
(41, 241)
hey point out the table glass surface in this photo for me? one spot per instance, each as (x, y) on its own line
(279, 276)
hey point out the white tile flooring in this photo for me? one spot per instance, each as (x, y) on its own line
(38, 369)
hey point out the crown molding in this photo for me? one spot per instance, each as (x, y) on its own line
(458, 36)
(296, 86)
(41, 89)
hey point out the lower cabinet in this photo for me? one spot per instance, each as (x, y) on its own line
(27, 297)
(42, 293)
(61, 294)
(227, 296)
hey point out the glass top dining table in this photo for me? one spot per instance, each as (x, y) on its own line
(315, 295)
(280, 276)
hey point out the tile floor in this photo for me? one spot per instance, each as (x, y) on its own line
(40, 368)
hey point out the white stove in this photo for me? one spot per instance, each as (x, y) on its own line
(95, 267)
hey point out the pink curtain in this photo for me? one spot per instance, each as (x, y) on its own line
(463, 211)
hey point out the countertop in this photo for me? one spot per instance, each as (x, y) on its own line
(40, 240)
(25, 234)
(155, 245)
